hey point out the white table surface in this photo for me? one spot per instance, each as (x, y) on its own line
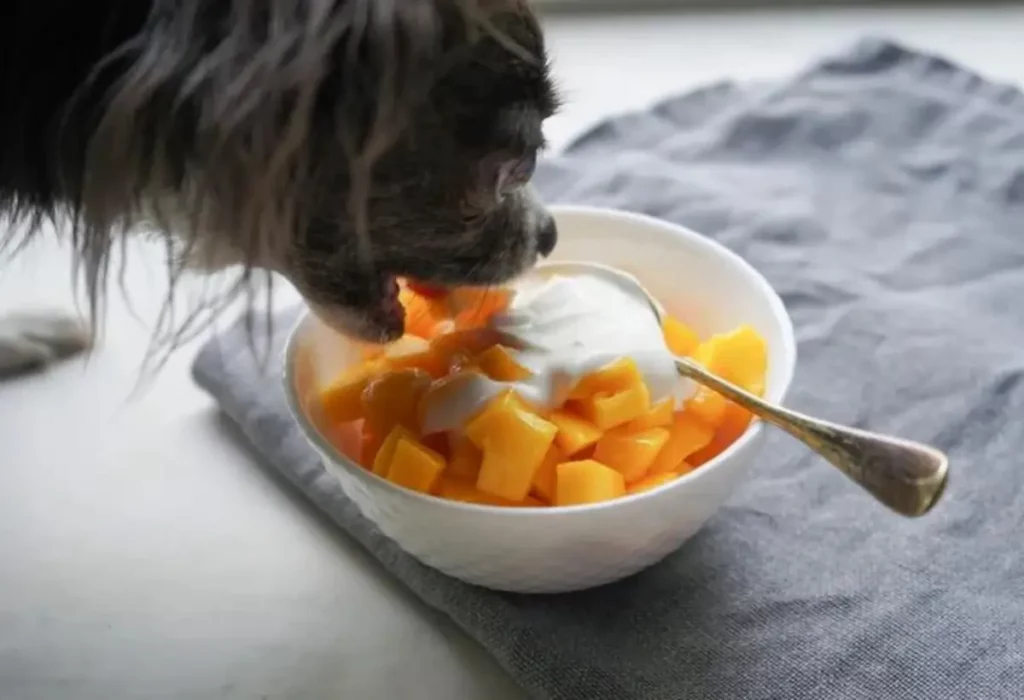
(168, 564)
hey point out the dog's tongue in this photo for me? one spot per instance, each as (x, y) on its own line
(427, 290)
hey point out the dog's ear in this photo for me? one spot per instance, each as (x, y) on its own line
(391, 53)
(385, 61)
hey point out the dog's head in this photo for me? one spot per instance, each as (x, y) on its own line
(341, 143)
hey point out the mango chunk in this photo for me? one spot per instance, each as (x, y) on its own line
(574, 433)
(370, 351)
(415, 466)
(613, 378)
(458, 489)
(406, 345)
(393, 399)
(369, 445)
(685, 467)
(347, 438)
(438, 442)
(658, 416)
(587, 481)
(514, 442)
(482, 423)
(426, 289)
(411, 352)
(545, 480)
(739, 356)
(342, 400)
(385, 453)
(468, 342)
(687, 435)
(652, 482)
(498, 364)
(607, 411)
(423, 316)
(680, 338)
(734, 423)
(631, 454)
(708, 405)
(465, 459)
(475, 306)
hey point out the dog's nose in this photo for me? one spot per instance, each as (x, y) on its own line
(548, 237)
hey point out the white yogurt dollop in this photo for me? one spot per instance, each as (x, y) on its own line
(566, 328)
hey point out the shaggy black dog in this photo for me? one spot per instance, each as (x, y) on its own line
(340, 143)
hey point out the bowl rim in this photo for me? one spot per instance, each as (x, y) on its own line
(788, 337)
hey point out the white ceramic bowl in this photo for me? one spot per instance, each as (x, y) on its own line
(548, 550)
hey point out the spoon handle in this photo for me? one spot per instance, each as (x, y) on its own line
(906, 476)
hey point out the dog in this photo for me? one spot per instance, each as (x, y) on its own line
(342, 144)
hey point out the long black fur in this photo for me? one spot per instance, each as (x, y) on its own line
(340, 143)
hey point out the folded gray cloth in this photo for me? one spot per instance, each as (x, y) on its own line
(801, 587)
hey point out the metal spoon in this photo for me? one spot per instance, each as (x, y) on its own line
(908, 477)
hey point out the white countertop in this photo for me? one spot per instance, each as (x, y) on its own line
(170, 565)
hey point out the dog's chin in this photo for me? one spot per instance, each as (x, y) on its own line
(378, 324)
(380, 320)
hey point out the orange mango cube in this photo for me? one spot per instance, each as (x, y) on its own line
(574, 433)
(734, 424)
(458, 489)
(467, 342)
(687, 435)
(739, 356)
(680, 338)
(465, 459)
(707, 405)
(474, 306)
(438, 442)
(613, 378)
(426, 289)
(587, 481)
(369, 445)
(652, 482)
(481, 424)
(414, 465)
(631, 454)
(658, 416)
(498, 364)
(608, 411)
(544, 481)
(423, 316)
(411, 352)
(342, 400)
(393, 399)
(381, 461)
(514, 442)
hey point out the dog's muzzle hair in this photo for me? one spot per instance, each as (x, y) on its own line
(339, 143)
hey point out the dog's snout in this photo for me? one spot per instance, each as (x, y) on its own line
(547, 237)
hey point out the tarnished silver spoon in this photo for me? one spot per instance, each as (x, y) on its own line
(908, 477)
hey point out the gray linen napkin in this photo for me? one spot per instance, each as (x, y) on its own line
(882, 193)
